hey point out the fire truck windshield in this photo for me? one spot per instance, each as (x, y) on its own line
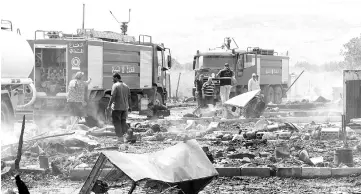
(214, 62)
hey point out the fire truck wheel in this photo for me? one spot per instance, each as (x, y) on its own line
(277, 95)
(270, 95)
(7, 119)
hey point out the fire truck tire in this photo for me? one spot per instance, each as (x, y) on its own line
(270, 95)
(277, 95)
(7, 119)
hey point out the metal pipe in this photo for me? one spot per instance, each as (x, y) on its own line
(129, 16)
(294, 81)
(235, 42)
(83, 16)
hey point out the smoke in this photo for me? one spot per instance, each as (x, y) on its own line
(311, 85)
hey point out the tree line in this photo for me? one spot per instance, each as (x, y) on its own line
(351, 53)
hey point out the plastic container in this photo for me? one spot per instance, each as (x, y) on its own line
(144, 103)
(343, 155)
(282, 152)
(44, 162)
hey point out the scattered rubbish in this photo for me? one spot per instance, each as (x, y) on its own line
(208, 153)
(284, 135)
(306, 136)
(303, 156)
(44, 162)
(282, 152)
(343, 155)
(55, 169)
(241, 156)
(329, 133)
(322, 99)
(190, 124)
(156, 128)
(40, 138)
(317, 160)
(189, 115)
(261, 124)
(264, 154)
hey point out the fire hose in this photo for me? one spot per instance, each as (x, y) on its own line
(33, 89)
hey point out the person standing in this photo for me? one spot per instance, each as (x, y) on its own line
(208, 94)
(199, 84)
(253, 83)
(119, 104)
(76, 96)
(225, 90)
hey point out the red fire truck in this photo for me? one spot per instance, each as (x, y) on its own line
(142, 65)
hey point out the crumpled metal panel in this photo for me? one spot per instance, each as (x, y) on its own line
(242, 99)
(182, 162)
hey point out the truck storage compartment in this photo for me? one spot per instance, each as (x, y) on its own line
(50, 70)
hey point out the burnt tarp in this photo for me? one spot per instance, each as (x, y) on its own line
(184, 164)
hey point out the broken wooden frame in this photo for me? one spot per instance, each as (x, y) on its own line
(94, 174)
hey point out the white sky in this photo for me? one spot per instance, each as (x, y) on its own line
(313, 31)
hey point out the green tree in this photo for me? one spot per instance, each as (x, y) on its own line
(352, 53)
(333, 66)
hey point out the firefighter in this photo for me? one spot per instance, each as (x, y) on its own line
(225, 90)
(253, 83)
(208, 93)
(199, 83)
(75, 97)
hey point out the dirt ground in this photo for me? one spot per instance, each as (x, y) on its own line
(47, 183)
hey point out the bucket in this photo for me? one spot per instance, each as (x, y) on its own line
(343, 155)
(44, 162)
(144, 104)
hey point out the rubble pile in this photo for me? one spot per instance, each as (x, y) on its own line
(249, 144)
